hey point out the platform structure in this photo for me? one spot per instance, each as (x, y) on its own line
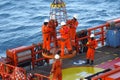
(55, 50)
(104, 55)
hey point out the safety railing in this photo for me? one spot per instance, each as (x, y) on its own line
(99, 31)
(41, 77)
(9, 72)
(26, 54)
(37, 53)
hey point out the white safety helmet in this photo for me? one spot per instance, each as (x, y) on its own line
(75, 16)
(63, 23)
(92, 35)
(52, 17)
(46, 20)
(57, 56)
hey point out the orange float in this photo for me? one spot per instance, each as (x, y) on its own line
(51, 56)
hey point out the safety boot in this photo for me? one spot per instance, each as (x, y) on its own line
(88, 61)
(92, 62)
(74, 48)
(59, 52)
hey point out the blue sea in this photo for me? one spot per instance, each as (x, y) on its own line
(21, 20)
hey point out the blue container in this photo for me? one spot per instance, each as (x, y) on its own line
(113, 38)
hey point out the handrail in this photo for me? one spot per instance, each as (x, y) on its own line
(37, 52)
(106, 74)
(41, 77)
(101, 33)
(9, 72)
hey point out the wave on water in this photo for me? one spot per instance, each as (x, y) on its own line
(21, 20)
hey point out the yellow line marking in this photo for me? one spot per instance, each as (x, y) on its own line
(115, 54)
(107, 53)
(109, 60)
(116, 57)
(96, 65)
(98, 51)
(102, 62)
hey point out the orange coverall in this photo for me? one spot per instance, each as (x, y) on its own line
(65, 39)
(91, 44)
(46, 37)
(53, 24)
(57, 70)
(73, 24)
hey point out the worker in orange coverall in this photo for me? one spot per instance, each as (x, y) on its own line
(65, 38)
(46, 37)
(57, 68)
(91, 44)
(73, 24)
(53, 24)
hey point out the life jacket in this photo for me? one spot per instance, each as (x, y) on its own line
(45, 29)
(92, 43)
(57, 66)
(53, 24)
(65, 32)
(74, 23)
(69, 23)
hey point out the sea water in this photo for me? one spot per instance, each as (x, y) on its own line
(21, 20)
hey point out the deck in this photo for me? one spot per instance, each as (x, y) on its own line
(105, 57)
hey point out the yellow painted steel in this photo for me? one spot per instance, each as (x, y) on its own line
(107, 53)
(61, 5)
(75, 73)
(116, 57)
(115, 54)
